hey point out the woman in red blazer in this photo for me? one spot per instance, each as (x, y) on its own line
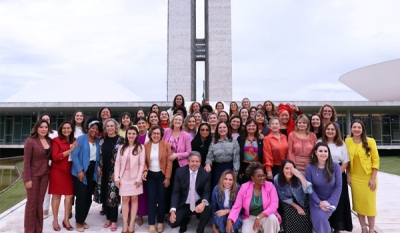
(61, 182)
(37, 152)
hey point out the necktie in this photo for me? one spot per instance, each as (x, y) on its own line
(192, 198)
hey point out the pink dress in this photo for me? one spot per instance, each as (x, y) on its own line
(130, 171)
(300, 150)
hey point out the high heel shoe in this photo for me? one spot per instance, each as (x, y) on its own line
(58, 228)
(69, 228)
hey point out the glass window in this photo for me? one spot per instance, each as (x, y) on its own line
(387, 140)
(386, 125)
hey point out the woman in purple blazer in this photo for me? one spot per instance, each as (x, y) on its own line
(37, 152)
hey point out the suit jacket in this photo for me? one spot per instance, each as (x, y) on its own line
(136, 164)
(36, 161)
(81, 157)
(164, 151)
(184, 146)
(181, 187)
(269, 198)
(58, 146)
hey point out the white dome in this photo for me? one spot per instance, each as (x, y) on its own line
(67, 89)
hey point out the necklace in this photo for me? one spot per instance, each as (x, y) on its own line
(255, 202)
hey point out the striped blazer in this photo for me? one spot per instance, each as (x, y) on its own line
(36, 161)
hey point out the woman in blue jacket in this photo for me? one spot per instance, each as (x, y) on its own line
(85, 162)
(222, 199)
(292, 190)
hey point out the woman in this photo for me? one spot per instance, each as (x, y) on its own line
(139, 113)
(316, 125)
(143, 137)
(251, 148)
(262, 124)
(326, 180)
(154, 108)
(235, 126)
(178, 101)
(212, 120)
(157, 173)
(246, 103)
(328, 114)
(61, 182)
(164, 119)
(109, 197)
(285, 114)
(78, 119)
(292, 189)
(223, 116)
(104, 114)
(244, 115)
(179, 141)
(85, 161)
(219, 106)
(201, 142)
(233, 109)
(252, 112)
(269, 109)
(180, 110)
(194, 107)
(259, 201)
(259, 107)
(141, 126)
(341, 218)
(52, 134)
(223, 153)
(275, 148)
(222, 198)
(125, 121)
(197, 119)
(153, 119)
(301, 143)
(37, 152)
(362, 175)
(189, 125)
(128, 169)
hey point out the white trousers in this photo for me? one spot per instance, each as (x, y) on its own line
(269, 224)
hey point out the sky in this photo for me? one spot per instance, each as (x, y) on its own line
(282, 50)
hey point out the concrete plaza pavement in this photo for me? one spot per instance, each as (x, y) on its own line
(387, 220)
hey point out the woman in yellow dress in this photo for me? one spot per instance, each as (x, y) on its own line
(362, 175)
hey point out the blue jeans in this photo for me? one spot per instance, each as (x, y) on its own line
(156, 194)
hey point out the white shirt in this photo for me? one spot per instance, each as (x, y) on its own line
(78, 131)
(339, 153)
(195, 177)
(154, 160)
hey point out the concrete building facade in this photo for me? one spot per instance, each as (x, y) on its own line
(185, 49)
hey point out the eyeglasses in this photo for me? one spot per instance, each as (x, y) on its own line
(260, 176)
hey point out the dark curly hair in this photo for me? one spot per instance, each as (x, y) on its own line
(252, 168)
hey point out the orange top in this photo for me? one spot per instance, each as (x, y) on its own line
(274, 150)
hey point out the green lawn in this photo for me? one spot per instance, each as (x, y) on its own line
(13, 195)
(390, 164)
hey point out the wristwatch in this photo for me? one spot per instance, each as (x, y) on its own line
(258, 217)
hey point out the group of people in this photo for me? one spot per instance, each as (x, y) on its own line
(251, 168)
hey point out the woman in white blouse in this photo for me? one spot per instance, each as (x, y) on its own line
(340, 220)
(77, 121)
(157, 172)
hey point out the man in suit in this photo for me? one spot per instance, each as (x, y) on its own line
(191, 194)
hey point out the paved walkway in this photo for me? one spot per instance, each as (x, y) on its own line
(387, 221)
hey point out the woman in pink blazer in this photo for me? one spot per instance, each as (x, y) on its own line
(259, 200)
(181, 146)
(128, 171)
